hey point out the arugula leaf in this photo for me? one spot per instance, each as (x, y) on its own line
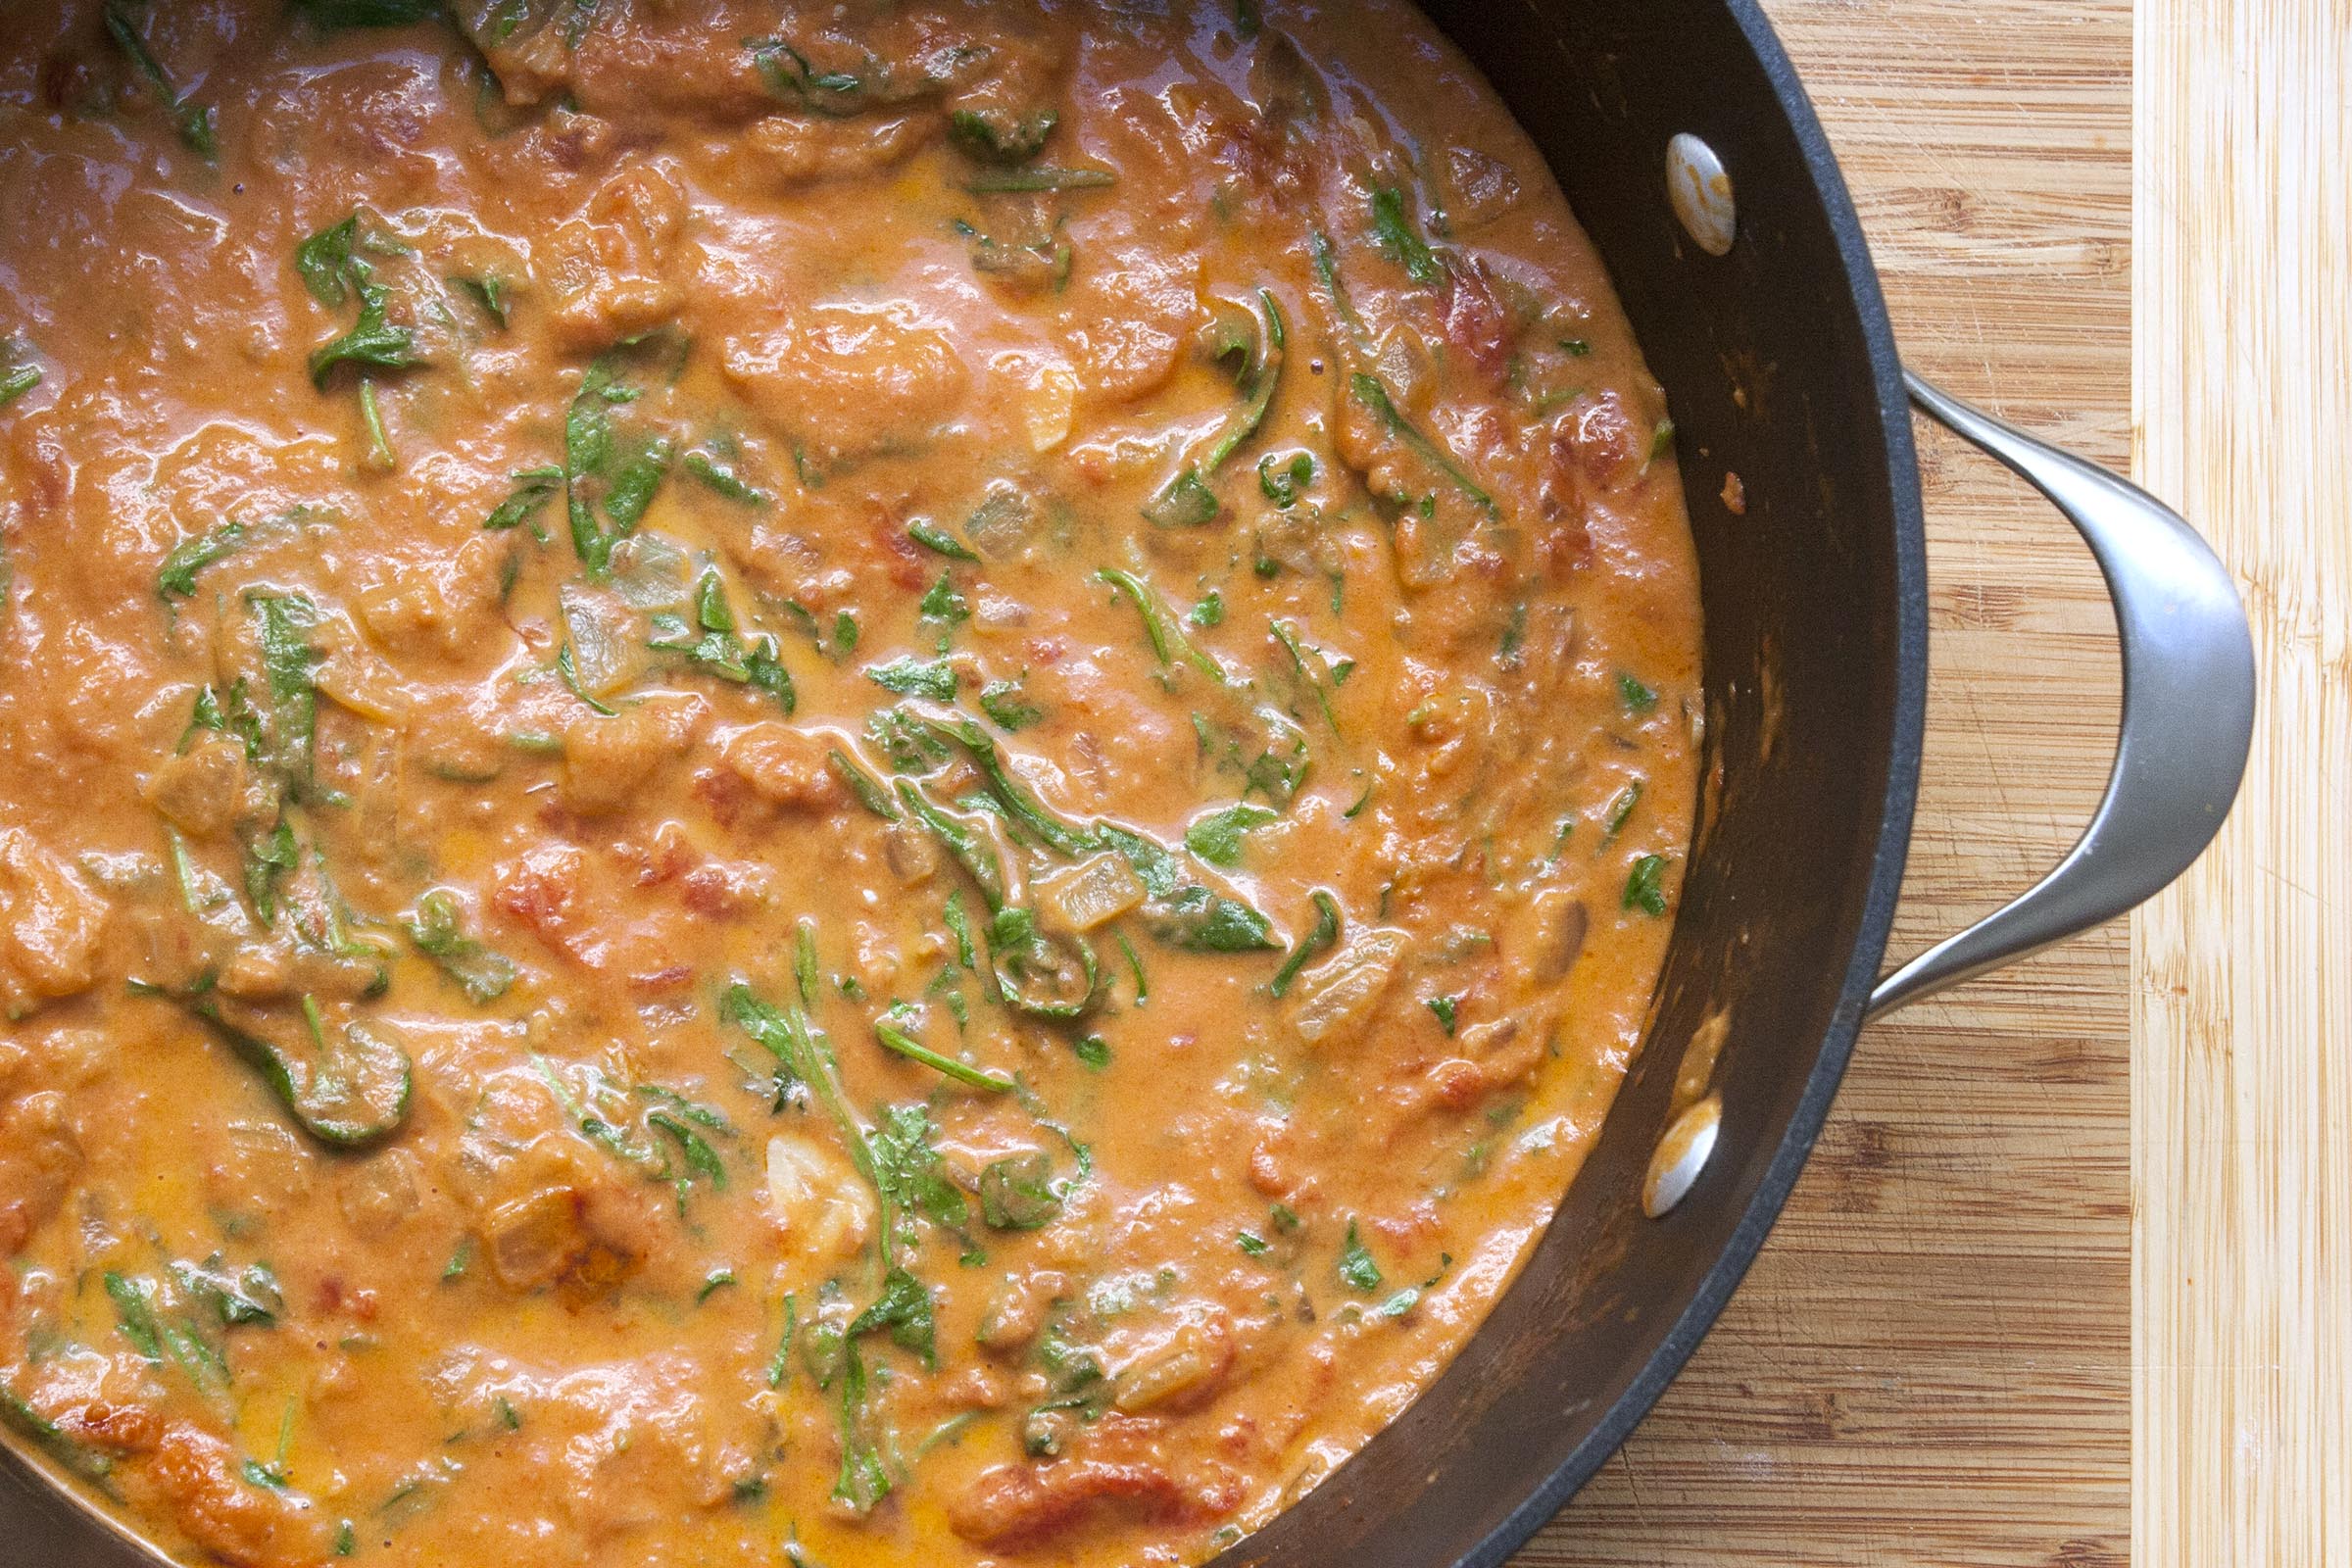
(372, 342)
(998, 136)
(603, 1115)
(634, 483)
(1017, 1193)
(533, 489)
(1053, 977)
(334, 13)
(1357, 1267)
(714, 646)
(959, 926)
(931, 537)
(231, 715)
(867, 788)
(438, 929)
(252, 1296)
(912, 743)
(913, 1050)
(1210, 922)
(1185, 501)
(1166, 636)
(700, 1158)
(53, 1439)
(176, 579)
(324, 262)
(863, 1482)
(347, 1092)
(1321, 939)
(489, 291)
(1184, 912)
(1284, 482)
(134, 1316)
(1217, 837)
(371, 420)
(803, 1059)
(17, 373)
(910, 676)
(1002, 701)
(1366, 389)
(723, 480)
(970, 849)
(1161, 872)
(780, 1366)
(908, 1172)
(1020, 803)
(594, 461)
(290, 662)
(1395, 235)
(194, 119)
(1279, 770)
(789, 75)
(1255, 351)
(1255, 348)
(1287, 635)
(905, 1309)
(1621, 807)
(1644, 886)
(1079, 1386)
(269, 860)
(1143, 989)
(1038, 177)
(944, 604)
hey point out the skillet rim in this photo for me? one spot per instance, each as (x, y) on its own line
(28, 1484)
(1898, 807)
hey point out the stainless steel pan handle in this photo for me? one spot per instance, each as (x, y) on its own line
(2187, 718)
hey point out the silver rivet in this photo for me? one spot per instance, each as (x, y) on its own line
(1682, 1154)
(1702, 193)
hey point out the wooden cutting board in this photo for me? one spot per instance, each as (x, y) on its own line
(2242, 994)
(1930, 1362)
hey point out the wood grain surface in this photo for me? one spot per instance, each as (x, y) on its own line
(2242, 1001)
(1930, 1363)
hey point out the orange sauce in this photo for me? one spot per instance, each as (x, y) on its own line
(890, 783)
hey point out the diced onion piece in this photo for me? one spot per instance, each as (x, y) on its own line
(1189, 1364)
(531, 1239)
(365, 686)
(1343, 991)
(815, 1205)
(598, 627)
(1051, 398)
(1094, 893)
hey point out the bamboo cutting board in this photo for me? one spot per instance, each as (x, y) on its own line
(1931, 1363)
(2242, 1001)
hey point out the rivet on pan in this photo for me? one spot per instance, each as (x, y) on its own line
(1682, 1154)
(1702, 193)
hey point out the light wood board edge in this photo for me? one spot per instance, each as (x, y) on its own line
(2242, 1001)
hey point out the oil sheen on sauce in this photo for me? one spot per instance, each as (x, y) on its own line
(890, 783)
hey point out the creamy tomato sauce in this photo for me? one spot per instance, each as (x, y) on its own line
(884, 784)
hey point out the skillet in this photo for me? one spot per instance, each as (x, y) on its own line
(1780, 367)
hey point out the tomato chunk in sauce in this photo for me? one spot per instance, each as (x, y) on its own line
(855, 784)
